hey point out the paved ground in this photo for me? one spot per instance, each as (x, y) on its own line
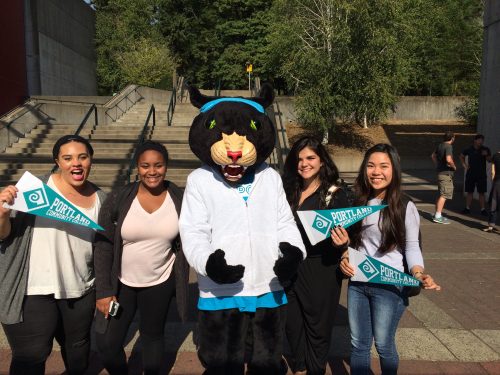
(455, 331)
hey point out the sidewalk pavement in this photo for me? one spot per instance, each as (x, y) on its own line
(455, 331)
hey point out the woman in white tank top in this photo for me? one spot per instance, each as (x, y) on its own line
(50, 266)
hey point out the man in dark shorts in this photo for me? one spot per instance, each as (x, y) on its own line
(475, 175)
(445, 167)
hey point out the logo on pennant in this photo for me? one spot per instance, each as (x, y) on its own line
(35, 199)
(368, 269)
(321, 224)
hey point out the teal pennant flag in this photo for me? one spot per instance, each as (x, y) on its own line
(37, 198)
(317, 223)
(371, 270)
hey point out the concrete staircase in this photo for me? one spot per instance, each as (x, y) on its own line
(113, 145)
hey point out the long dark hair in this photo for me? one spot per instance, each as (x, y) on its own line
(293, 182)
(392, 217)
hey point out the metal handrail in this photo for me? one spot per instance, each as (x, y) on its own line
(84, 121)
(116, 106)
(141, 140)
(172, 102)
(218, 85)
(280, 152)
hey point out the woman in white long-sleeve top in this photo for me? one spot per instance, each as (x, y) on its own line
(388, 235)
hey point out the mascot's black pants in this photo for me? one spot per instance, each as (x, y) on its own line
(229, 338)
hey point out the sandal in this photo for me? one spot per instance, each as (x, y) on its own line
(488, 229)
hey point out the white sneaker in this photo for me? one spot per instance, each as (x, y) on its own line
(440, 220)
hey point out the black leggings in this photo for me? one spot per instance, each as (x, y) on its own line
(152, 303)
(46, 318)
(226, 337)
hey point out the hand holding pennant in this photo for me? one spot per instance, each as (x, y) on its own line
(37, 198)
(371, 270)
(317, 223)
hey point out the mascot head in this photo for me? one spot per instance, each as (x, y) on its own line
(232, 134)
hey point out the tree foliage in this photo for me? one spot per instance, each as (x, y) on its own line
(213, 40)
(446, 48)
(129, 47)
(345, 60)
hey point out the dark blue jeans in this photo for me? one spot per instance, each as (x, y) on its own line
(374, 313)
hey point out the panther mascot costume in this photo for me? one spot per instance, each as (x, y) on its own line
(239, 235)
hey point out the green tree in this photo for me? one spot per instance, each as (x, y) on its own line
(146, 62)
(344, 59)
(128, 43)
(447, 47)
(213, 40)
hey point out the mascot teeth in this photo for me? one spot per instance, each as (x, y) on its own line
(233, 170)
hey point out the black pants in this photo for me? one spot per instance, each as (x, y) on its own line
(46, 318)
(313, 299)
(229, 337)
(152, 303)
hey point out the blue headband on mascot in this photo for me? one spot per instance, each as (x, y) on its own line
(213, 103)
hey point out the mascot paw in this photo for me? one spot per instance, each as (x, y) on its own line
(286, 266)
(218, 270)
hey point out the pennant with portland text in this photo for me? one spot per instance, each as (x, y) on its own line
(317, 223)
(37, 198)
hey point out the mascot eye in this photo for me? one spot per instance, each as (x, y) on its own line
(254, 125)
(211, 124)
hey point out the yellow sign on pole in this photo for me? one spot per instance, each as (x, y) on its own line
(249, 68)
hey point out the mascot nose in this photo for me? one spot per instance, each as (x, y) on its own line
(235, 155)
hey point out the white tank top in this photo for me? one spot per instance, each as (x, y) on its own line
(61, 260)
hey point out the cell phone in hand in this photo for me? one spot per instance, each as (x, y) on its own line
(113, 308)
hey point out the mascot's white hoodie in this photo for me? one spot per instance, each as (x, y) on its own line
(215, 216)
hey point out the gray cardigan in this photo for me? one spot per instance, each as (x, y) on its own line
(14, 263)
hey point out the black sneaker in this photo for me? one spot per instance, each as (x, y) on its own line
(485, 212)
(466, 211)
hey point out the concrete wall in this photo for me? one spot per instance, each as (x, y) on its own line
(425, 108)
(60, 47)
(408, 109)
(489, 97)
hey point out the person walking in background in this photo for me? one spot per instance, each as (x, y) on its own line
(445, 167)
(475, 172)
(389, 236)
(495, 192)
(139, 262)
(46, 269)
(311, 182)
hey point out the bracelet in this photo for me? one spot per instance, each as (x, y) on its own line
(344, 257)
(415, 274)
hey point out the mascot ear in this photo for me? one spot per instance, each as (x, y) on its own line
(197, 98)
(266, 95)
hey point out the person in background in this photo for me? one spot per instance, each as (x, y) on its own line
(445, 167)
(495, 192)
(474, 160)
(311, 182)
(139, 262)
(389, 236)
(46, 269)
